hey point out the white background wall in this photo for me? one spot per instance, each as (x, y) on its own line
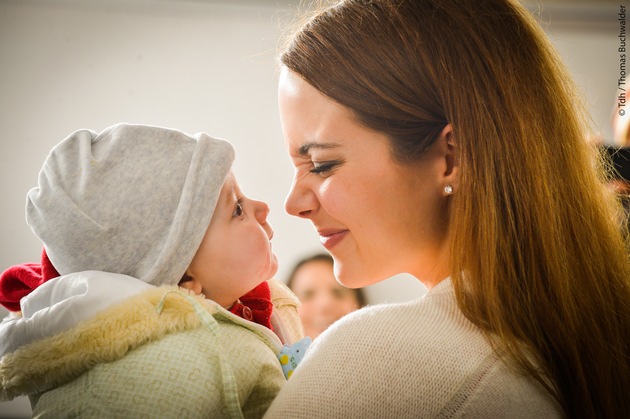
(197, 66)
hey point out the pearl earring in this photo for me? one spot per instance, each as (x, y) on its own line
(448, 189)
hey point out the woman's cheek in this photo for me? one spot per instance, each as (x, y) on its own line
(333, 197)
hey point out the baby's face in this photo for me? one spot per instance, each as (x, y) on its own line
(235, 254)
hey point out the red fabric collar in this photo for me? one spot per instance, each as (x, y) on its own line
(18, 281)
(255, 306)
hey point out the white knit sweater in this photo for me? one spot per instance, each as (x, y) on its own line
(412, 360)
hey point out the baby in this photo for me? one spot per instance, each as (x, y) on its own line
(126, 216)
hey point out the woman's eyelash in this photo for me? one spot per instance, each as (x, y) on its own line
(324, 167)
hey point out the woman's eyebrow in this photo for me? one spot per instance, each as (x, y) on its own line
(305, 148)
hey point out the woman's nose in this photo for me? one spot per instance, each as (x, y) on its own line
(301, 201)
(326, 302)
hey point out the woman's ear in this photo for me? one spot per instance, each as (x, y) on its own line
(451, 160)
(191, 284)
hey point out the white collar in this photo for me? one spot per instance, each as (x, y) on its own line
(62, 303)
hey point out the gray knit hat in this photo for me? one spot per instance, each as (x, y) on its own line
(133, 199)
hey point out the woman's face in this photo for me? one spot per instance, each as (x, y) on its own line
(235, 254)
(377, 218)
(323, 299)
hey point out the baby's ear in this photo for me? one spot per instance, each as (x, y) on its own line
(190, 284)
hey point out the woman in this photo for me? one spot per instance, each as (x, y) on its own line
(443, 138)
(323, 299)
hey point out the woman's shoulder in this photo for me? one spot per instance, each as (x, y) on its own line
(435, 314)
(428, 335)
(419, 356)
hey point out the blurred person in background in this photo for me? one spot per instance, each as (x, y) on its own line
(324, 300)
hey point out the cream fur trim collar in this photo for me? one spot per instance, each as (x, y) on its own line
(107, 337)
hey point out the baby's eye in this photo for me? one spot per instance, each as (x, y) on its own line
(238, 209)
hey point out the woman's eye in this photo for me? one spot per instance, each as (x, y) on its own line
(238, 209)
(323, 167)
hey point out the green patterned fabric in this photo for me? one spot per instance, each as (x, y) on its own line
(157, 379)
(222, 367)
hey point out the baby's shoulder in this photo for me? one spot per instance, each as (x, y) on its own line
(285, 318)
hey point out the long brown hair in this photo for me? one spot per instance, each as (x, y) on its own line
(539, 259)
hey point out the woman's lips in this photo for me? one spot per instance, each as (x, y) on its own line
(330, 238)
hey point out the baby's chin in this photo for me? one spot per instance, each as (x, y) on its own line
(273, 265)
(271, 269)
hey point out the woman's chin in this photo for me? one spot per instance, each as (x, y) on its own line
(357, 278)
